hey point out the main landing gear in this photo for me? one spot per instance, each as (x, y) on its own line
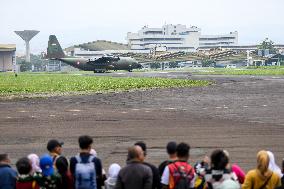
(99, 71)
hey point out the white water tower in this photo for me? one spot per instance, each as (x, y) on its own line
(27, 35)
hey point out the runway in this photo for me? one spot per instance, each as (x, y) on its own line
(242, 114)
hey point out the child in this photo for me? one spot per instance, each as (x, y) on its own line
(49, 179)
(34, 159)
(25, 179)
(200, 170)
(112, 176)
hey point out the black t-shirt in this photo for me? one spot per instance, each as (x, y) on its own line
(156, 176)
(163, 165)
(85, 158)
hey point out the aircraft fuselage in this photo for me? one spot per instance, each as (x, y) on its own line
(121, 63)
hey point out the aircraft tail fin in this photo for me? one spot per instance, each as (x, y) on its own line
(54, 50)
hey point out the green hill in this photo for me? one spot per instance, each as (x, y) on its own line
(101, 45)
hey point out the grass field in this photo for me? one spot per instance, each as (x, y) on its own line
(61, 84)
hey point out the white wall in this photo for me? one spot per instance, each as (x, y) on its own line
(6, 61)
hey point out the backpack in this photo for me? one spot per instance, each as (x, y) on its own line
(183, 182)
(221, 179)
(85, 174)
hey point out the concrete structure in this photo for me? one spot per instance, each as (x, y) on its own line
(27, 35)
(7, 57)
(239, 47)
(80, 52)
(178, 38)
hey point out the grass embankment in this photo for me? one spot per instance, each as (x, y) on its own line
(64, 84)
(261, 71)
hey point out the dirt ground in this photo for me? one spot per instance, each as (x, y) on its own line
(242, 114)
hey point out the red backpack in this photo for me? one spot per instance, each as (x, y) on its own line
(182, 174)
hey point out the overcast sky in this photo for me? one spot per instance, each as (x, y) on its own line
(78, 21)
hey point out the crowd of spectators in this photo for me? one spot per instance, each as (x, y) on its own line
(85, 171)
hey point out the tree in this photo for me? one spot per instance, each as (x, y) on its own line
(155, 65)
(208, 63)
(173, 65)
(38, 63)
(267, 44)
(25, 66)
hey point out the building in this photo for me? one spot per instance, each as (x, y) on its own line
(7, 57)
(178, 38)
(275, 60)
(214, 41)
(170, 37)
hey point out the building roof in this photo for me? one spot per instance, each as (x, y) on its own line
(276, 56)
(7, 47)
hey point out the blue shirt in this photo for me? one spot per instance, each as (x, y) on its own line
(7, 177)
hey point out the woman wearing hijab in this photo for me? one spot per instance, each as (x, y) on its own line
(93, 152)
(236, 169)
(272, 164)
(34, 159)
(261, 177)
(112, 176)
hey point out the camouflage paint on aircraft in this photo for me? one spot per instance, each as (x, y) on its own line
(102, 64)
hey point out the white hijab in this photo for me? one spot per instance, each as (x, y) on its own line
(272, 164)
(35, 163)
(113, 170)
(112, 176)
(93, 152)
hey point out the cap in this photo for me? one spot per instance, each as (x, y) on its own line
(46, 164)
(53, 144)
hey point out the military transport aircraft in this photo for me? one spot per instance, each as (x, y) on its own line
(101, 64)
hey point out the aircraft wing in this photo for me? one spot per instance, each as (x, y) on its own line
(103, 60)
